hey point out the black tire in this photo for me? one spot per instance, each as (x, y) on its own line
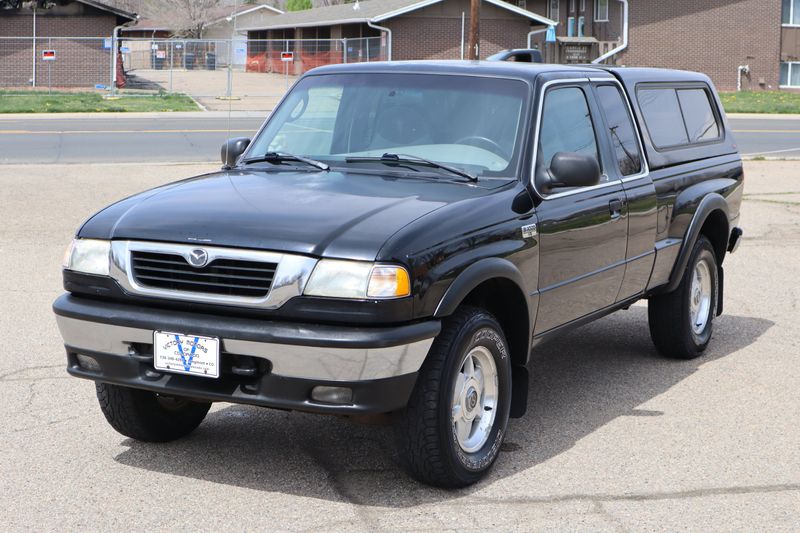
(146, 416)
(425, 430)
(670, 316)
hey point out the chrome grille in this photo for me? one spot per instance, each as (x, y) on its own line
(228, 277)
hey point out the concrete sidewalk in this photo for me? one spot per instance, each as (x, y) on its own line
(252, 91)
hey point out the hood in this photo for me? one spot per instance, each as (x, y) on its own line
(326, 214)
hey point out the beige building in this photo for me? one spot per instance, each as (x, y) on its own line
(227, 28)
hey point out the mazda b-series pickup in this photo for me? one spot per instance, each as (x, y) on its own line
(397, 238)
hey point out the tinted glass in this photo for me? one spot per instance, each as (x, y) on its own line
(784, 74)
(310, 123)
(566, 125)
(701, 124)
(470, 122)
(620, 126)
(662, 114)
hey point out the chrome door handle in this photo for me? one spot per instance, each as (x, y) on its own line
(615, 207)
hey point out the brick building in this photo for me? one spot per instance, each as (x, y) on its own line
(75, 31)
(712, 36)
(376, 29)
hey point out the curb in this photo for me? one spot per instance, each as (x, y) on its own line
(116, 116)
(765, 116)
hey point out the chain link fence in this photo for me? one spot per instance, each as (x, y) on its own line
(218, 74)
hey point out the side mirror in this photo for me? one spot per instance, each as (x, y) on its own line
(569, 169)
(231, 150)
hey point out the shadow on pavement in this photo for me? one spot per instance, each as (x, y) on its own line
(579, 383)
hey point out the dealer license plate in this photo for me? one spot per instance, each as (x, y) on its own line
(186, 354)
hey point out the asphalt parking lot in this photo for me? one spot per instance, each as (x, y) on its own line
(616, 438)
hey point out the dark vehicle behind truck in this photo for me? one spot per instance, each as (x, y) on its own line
(520, 55)
(397, 238)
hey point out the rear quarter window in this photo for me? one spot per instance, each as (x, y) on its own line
(701, 124)
(678, 116)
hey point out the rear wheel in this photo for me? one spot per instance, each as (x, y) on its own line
(147, 416)
(681, 322)
(450, 433)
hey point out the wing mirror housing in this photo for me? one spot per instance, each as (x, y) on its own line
(231, 150)
(570, 169)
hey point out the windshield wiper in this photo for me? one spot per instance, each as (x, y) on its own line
(279, 157)
(403, 158)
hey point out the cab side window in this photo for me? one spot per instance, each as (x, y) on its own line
(566, 125)
(621, 130)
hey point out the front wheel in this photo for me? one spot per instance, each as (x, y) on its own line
(147, 416)
(681, 321)
(450, 433)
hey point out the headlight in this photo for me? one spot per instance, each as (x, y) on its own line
(355, 279)
(89, 256)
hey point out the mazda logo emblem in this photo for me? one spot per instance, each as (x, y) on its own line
(198, 258)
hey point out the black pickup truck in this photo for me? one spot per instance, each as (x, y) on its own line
(397, 238)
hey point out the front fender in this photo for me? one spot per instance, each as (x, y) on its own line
(475, 274)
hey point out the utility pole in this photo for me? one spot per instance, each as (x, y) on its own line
(474, 30)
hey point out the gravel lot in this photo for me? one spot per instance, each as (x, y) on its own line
(616, 438)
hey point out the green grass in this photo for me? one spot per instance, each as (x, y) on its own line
(64, 102)
(761, 102)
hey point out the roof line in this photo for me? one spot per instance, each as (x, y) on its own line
(250, 10)
(306, 24)
(499, 3)
(110, 9)
(402, 11)
(524, 12)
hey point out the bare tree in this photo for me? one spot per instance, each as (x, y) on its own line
(188, 17)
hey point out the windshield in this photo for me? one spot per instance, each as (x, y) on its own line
(468, 122)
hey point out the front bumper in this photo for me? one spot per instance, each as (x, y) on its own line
(273, 364)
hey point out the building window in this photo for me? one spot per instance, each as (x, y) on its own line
(571, 27)
(601, 10)
(583, 6)
(581, 26)
(790, 74)
(572, 6)
(791, 13)
(552, 10)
